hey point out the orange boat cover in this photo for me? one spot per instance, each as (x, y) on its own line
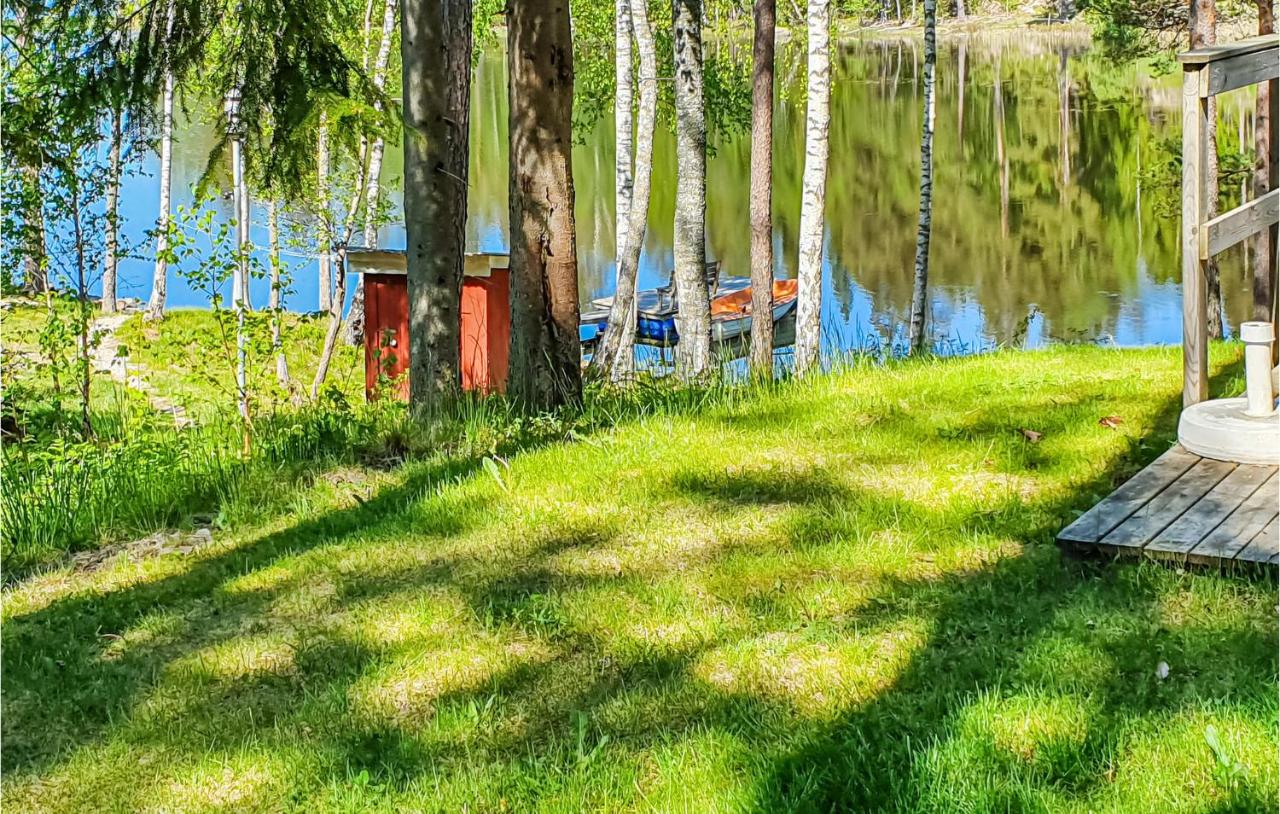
(739, 302)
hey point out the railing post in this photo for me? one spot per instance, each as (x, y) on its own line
(1195, 328)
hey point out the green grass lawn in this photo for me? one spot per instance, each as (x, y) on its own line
(840, 594)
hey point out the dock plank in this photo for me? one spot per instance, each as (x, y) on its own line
(1134, 493)
(1264, 545)
(1241, 526)
(1165, 508)
(1198, 521)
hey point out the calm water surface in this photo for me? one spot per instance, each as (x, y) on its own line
(1049, 222)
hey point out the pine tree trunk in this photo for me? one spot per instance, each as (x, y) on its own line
(761, 361)
(813, 196)
(323, 208)
(920, 285)
(545, 359)
(435, 50)
(615, 353)
(1264, 245)
(355, 317)
(1204, 31)
(274, 302)
(693, 316)
(160, 277)
(110, 259)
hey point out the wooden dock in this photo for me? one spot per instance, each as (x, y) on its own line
(1188, 509)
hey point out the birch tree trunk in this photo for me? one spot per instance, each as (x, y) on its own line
(1264, 245)
(273, 302)
(355, 318)
(615, 353)
(814, 189)
(545, 360)
(693, 316)
(765, 18)
(160, 277)
(920, 285)
(110, 259)
(1204, 31)
(622, 125)
(435, 51)
(323, 208)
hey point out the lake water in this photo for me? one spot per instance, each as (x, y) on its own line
(1051, 220)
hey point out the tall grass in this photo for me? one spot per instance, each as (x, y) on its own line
(140, 474)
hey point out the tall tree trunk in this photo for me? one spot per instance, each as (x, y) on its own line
(1264, 245)
(1204, 31)
(960, 12)
(274, 302)
(545, 360)
(110, 259)
(355, 317)
(83, 369)
(920, 286)
(814, 194)
(765, 13)
(623, 178)
(160, 277)
(693, 316)
(615, 353)
(323, 208)
(240, 278)
(435, 51)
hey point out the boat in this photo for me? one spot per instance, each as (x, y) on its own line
(656, 311)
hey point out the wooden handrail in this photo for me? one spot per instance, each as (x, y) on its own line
(1207, 72)
(1227, 50)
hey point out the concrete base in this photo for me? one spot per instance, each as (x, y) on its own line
(1219, 429)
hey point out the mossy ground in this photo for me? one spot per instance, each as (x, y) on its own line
(836, 594)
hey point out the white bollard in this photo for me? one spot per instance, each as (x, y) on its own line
(1258, 337)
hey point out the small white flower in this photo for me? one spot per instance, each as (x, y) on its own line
(1162, 670)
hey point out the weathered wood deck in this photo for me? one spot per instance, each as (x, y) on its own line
(1189, 509)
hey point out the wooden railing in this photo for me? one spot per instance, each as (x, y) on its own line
(1207, 72)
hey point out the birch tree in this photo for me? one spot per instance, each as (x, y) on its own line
(614, 355)
(920, 285)
(545, 359)
(160, 277)
(689, 247)
(435, 50)
(111, 248)
(765, 20)
(814, 189)
(355, 319)
(622, 124)
(274, 302)
(323, 204)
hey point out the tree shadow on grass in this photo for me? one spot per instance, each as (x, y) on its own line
(529, 684)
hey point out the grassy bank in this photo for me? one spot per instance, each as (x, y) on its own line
(835, 594)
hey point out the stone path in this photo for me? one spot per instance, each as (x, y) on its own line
(106, 359)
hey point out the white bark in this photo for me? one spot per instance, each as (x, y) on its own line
(274, 303)
(920, 284)
(110, 263)
(160, 277)
(616, 352)
(239, 280)
(814, 189)
(693, 317)
(355, 318)
(322, 204)
(622, 125)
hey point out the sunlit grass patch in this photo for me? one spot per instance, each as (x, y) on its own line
(834, 594)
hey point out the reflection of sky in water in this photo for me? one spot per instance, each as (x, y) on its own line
(987, 290)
